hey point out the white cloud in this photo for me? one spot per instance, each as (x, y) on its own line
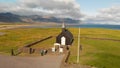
(58, 8)
(62, 8)
(105, 16)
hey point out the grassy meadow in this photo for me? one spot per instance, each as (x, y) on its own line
(98, 53)
(15, 38)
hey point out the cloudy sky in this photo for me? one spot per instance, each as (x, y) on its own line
(88, 11)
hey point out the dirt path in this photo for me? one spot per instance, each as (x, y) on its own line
(48, 61)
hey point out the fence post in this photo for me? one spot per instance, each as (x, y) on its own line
(12, 52)
(30, 50)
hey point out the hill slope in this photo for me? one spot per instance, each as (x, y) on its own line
(10, 18)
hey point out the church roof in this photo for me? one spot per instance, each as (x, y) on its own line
(67, 33)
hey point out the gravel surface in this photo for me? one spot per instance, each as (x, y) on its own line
(47, 61)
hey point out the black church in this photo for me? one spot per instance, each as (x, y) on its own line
(65, 37)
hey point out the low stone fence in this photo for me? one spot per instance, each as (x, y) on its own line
(15, 52)
(33, 50)
(65, 59)
(31, 44)
(67, 56)
(27, 48)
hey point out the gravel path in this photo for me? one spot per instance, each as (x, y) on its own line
(48, 61)
(2, 33)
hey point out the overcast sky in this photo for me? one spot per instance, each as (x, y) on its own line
(88, 11)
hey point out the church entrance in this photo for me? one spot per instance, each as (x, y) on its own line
(63, 40)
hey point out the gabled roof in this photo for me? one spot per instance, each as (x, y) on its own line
(67, 33)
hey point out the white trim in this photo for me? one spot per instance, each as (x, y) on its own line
(63, 40)
(56, 44)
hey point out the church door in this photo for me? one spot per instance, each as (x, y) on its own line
(63, 40)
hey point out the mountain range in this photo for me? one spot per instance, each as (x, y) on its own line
(13, 18)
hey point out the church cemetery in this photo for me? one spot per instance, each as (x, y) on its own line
(94, 52)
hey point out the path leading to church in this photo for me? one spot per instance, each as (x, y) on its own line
(47, 61)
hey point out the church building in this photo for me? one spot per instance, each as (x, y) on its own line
(65, 37)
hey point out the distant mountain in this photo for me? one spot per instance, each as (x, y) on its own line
(12, 18)
(9, 17)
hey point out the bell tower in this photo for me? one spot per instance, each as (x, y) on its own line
(63, 26)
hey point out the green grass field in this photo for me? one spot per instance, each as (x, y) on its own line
(98, 53)
(15, 38)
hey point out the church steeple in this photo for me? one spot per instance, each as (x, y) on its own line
(63, 25)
